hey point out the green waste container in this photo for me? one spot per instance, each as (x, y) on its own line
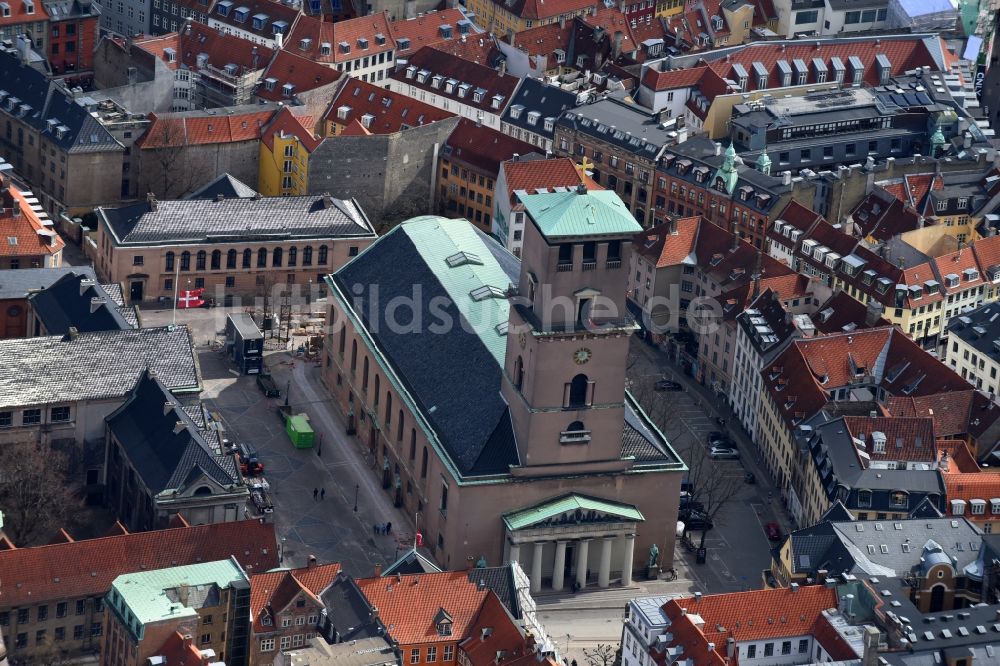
(300, 432)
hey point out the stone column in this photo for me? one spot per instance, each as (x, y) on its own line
(515, 553)
(581, 563)
(559, 566)
(536, 568)
(627, 563)
(604, 573)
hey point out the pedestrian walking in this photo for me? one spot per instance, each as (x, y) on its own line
(315, 493)
(388, 528)
(322, 493)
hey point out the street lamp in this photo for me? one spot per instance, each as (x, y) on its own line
(355, 498)
(288, 389)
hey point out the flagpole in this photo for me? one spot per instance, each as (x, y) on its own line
(177, 277)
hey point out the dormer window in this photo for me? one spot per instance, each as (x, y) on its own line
(477, 96)
(362, 43)
(29, 7)
(305, 44)
(241, 14)
(443, 622)
(411, 72)
(344, 112)
(463, 90)
(533, 117)
(367, 120)
(287, 89)
(497, 101)
(515, 111)
(344, 47)
(325, 48)
(550, 124)
(436, 81)
(259, 21)
(223, 7)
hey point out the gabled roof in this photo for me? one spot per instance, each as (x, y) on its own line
(412, 562)
(379, 110)
(272, 592)
(952, 411)
(843, 310)
(289, 68)
(494, 632)
(431, 29)
(76, 300)
(175, 130)
(29, 233)
(198, 45)
(286, 123)
(226, 185)
(271, 12)
(482, 146)
(902, 438)
(86, 568)
(672, 79)
(669, 244)
(94, 366)
(476, 85)
(571, 502)
(408, 604)
(179, 650)
(19, 14)
(342, 41)
(164, 444)
(540, 9)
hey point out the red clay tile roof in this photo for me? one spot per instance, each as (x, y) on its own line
(373, 28)
(960, 458)
(483, 147)
(611, 20)
(845, 310)
(663, 248)
(904, 54)
(481, 647)
(176, 130)
(426, 30)
(302, 73)
(273, 9)
(277, 589)
(532, 175)
(540, 9)
(87, 568)
(286, 123)
(545, 39)
(672, 79)
(745, 616)
(197, 38)
(982, 485)
(19, 14)
(482, 81)
(180, 651)
(481, 50)
(905, 438)
(987, 251)
(951, 411)
(391, 111)
(24, 235)
(408, 604)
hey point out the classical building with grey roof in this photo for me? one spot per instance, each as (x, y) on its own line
(506, 423)
(230, 246)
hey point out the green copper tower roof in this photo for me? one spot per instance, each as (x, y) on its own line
(727, 171)
(764, 163)
(937, 139)
(580, 213)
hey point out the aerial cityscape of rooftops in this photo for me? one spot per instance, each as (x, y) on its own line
(499, 332)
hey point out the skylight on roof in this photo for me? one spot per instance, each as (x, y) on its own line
(487, 291)
(463, 258)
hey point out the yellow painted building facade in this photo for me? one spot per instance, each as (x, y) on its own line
(284, 167)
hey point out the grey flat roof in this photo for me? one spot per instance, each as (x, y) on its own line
(17, 283)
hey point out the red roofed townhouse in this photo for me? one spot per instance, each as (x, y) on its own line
(470, 164)
(438, 28)
(180, 152)
(209, 68)
(31, 238)
(531, 176)
(72, 37)
(471, 90)
(56, 592)
(364, 47)
(26, 18)
(973, 492)
(506, 18)
(377, 110)
(181, 650)
(264, 22)
(794, 625)
(286, 144)
(285, 608)
(291, 78)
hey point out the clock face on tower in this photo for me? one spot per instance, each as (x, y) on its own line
(581, 355)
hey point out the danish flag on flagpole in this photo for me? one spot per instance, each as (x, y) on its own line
(190, 299)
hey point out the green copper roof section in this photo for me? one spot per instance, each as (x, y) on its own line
(764, 163)
(533, 515)
(727, 170)
(574, 214)
(141, 598)
(470, 274)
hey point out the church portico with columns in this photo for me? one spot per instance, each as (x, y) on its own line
(573, 540)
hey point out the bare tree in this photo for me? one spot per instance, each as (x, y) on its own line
(47, 653)
(602, 655)
(176, 169)
(36, 493)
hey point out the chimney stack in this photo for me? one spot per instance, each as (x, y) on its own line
(870, 654)
(327, 200)
(95, 304)
(311, 562)
(378, 570)
(151, 200)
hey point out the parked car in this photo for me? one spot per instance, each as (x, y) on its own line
(687, 505)
(267, 386)
(696, 520)
(667, 385)
(773, 531)
(723, 453)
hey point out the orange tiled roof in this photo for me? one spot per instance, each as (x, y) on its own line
(408, 604)
(196, 38)
(662, 248)
(19, 14)
(501, 633)
(951, 411)
(25, 235)
(531, 175)
(277, 589)
(288, 67)
(390, 111)
(286, 123)
(176, 130)
(540, 9)
(981, 485)
(545, 39)
(960, 458)
(180, 651)
(906, 438)
(87, 568)
(672, 79)
(375, 29)
(745, 616)
(426, 30)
